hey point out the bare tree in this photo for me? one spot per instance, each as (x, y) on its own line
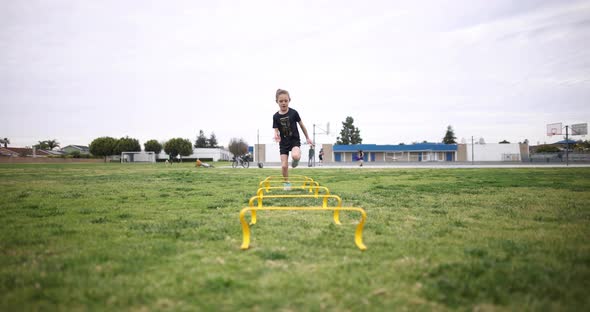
(238, 147)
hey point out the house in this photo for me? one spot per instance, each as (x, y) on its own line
(22, 152)
(55, 153)
(6, 152)
(80, 148)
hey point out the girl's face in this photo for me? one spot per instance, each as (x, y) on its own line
(283, 102)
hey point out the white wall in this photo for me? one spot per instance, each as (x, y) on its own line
(138, 157)
(273, 153)
(492, 151)
(213, 153)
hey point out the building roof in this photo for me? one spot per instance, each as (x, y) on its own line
(51, 152)
(22, 151)
(8, 152)
(565, 142)
(78, 147)
(418, 147)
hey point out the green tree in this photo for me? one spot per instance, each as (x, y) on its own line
(103, 146)
(127, 144)
(178, 146)
(547, 149)
(213, 140)
(582, 145)
(201, 140)
(47, 144)
(51, 144)
(450, 137)
(238, 147)
(349, 133)
(42, 145)
(152, 146)
(503, 142)
(5, 141)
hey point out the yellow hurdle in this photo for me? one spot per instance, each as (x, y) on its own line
(266, 185)
(358, 234)
(324, 203)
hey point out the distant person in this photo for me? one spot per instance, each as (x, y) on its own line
(361, 157)
(311, 155)
(284, 122)
(199, 163)
(321, 155)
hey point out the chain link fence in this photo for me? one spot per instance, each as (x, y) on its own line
(560, 157)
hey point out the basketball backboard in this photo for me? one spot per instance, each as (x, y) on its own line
(554, 129)
(579, 129)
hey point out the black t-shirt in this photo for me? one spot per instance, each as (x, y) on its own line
(287, 124)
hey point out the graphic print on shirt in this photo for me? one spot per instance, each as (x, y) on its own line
(286, 126)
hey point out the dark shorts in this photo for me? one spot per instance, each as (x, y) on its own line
(287, 145)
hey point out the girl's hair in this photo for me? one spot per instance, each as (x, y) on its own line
(281, 91)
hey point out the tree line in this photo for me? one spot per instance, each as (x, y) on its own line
(107, 146)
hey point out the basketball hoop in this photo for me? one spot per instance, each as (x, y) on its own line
(554, 129)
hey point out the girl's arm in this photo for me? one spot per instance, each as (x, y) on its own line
(309, 141)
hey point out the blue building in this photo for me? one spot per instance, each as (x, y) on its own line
(396, 153)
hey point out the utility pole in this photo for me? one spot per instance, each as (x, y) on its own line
(472, 152)
(567, 147)
(258, 146)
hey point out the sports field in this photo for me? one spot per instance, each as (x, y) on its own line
(156, 238)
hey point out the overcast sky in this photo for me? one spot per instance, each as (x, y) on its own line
(75, 70)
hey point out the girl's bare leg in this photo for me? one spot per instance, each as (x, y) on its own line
(285, 166)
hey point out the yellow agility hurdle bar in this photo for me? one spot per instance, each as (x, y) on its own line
(316, 189)
(306, 184)
(293, 178)
(324, 204)
(324, 197)
(358, 234)
(303, 180)
(296, 176)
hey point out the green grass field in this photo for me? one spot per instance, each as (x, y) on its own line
(155, 238)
